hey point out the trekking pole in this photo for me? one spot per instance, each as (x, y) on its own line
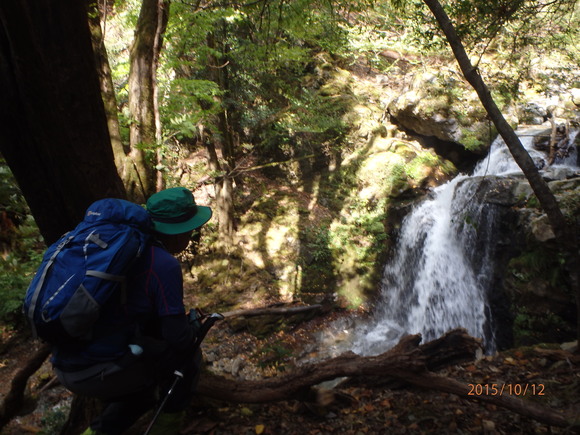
(205, 327)
(178, 376)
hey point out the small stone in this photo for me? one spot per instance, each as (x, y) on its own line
(488, 426)
(571, 346)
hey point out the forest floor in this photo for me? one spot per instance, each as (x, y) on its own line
(550, 376)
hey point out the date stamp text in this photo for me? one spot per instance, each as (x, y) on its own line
(506, 389)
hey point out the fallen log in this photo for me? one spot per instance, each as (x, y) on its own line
(267, 311)
(405, 357)
(408, 362)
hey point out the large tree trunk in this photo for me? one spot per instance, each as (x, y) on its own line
(53, 128)
(125, 166)
(566, 232)
(142, 90)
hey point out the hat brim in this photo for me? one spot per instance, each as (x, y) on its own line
(202, 215)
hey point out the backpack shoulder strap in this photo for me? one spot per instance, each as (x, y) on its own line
(32, 308)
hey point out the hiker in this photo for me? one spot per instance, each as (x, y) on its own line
(139, 342)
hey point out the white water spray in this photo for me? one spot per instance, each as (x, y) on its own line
(440, 275)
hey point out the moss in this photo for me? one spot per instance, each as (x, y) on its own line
(538, 263)
(540, 298)
(470, 141)
(531, 328)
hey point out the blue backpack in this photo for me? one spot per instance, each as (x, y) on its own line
(81, 271)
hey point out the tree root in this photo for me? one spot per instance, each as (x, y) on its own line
(13, 401)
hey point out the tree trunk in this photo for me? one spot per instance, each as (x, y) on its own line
(566, 232)
(125, 166)
(53, 127)
(142, 83)
(224, 184)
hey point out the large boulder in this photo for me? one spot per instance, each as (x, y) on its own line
(442, 106)
(530, 299)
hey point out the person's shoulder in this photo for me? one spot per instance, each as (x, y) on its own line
(160, 256)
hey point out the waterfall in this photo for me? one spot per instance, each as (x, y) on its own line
(441, 272)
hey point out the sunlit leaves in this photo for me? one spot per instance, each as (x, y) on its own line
(188, 102)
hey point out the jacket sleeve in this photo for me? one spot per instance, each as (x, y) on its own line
(176, 330)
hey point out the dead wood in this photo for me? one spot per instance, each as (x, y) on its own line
(543, 414)
(408, 362)
(14, 398)
(406, 357)
(283, 311)
(559, 355)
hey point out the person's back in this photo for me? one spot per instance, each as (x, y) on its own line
(143, 336)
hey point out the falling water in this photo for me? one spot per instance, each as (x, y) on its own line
(441, 272)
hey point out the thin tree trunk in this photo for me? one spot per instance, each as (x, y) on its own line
(162, 19)
(224, 184)
(142, 83)
(125, 166)
(566, 233)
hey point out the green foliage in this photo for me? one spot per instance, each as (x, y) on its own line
(20, 249)
(11, 199)
(470, 141)
(53, 421)
(248, 61)
(274, 356)
(277, 71)
(413, 23)
(191, 102)
(14, 280)
(318, 244)
(546, 327)
(539, 264)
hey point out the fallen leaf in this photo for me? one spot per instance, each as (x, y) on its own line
(260, 429)
(386, 404)
(369, 407)
(510, 361)
(246, 412)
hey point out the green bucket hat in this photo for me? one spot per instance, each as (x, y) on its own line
(174, 211)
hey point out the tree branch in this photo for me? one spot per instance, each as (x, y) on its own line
(283, 311)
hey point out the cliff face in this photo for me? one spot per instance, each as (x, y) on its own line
(530, 299)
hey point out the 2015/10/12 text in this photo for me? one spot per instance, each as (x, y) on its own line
(507, 389)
